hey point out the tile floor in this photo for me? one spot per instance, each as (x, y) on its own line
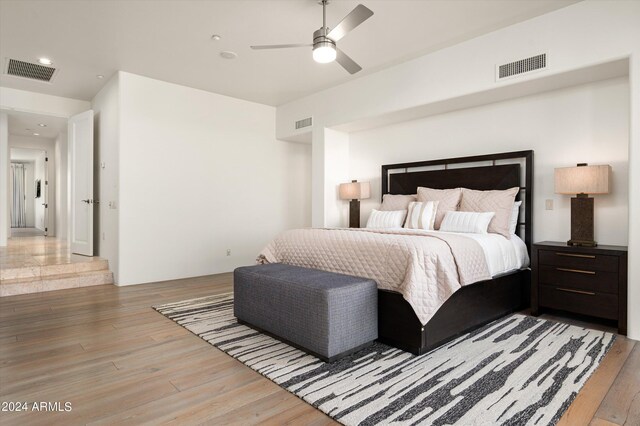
(26, 232)
(32, 264)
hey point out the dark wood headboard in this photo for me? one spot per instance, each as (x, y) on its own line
(472, 173)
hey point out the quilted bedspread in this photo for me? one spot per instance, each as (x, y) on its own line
(425, 267)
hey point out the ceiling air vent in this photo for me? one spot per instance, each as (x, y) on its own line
(23, 69)
(522, 66)
(305, 122)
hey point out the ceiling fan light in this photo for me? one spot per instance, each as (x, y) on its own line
(324, 52)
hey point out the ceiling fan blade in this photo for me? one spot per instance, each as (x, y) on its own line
(279, 46)
(346, 62)
(356, 17)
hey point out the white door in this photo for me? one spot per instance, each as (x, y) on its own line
(80, 145)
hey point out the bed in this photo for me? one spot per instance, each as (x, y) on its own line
(432, 286)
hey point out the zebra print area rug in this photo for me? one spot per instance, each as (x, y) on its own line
(517, 370)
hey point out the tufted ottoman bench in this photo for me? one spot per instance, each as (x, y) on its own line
(326, 314)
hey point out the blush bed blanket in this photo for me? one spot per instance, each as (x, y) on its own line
(426, 268)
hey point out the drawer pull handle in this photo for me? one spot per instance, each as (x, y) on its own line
(586, 256)
(578, 271)
(568, 290)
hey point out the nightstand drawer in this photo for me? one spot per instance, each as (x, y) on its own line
(580, 279)
(585, 280)
(581, 302)
(591, 262)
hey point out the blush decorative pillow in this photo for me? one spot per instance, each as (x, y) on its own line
(448, 200)
(469, 222)
(389, 219)
(499, 202)
(392, 202)
(421, 215)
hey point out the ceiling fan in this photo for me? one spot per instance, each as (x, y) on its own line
(324, 40)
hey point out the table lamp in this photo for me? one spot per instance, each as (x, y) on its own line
(354, 191)
(582, 180)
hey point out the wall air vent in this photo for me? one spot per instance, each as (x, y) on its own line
(305, 122)
(522, 66)
(28, 70)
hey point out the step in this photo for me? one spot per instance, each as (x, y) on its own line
(38, 271)
(15, 286)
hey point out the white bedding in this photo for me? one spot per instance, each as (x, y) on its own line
(502, 255)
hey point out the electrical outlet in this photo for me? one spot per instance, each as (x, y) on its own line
(103, 237)
(228, 252)
(548, 204)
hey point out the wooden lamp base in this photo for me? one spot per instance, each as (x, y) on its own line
(354, 214)
(582, 221)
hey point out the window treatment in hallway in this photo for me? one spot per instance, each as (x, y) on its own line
(17, 182)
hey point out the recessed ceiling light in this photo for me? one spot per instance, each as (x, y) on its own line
(45, 61)
(36, 134)
(99, 76)
(215, 37)
(42, 125)
(227, 54)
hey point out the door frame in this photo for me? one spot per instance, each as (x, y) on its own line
(46, 188)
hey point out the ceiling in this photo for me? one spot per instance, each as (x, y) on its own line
(171, 40)
(26, 124)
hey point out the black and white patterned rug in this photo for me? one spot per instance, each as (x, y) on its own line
(515, 371)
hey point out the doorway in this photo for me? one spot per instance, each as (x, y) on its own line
(37, 185)
(28, 192)
(65, 207)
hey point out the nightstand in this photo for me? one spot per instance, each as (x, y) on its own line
(584, 280)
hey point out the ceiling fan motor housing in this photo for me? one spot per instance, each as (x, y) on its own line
(320, 38)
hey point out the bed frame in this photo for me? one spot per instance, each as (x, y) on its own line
(474, 305)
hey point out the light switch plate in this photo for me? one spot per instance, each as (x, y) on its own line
(548, 204)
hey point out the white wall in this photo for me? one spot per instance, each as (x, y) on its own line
(634, 200)
(106, 134)
(201, 173)
(582, 124)
(5, 222)
(47, 145)
(61, 188)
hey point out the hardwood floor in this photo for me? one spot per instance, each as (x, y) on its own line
(116, 360)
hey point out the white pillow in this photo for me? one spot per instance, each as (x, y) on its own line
(387, 219)
(468, 222)
(513, 224)
(421, 215)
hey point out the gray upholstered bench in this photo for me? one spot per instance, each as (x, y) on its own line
(326, 314)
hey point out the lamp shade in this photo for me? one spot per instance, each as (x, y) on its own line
(582, 180)
(355, 190)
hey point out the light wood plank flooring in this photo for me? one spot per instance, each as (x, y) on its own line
(118, 361)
